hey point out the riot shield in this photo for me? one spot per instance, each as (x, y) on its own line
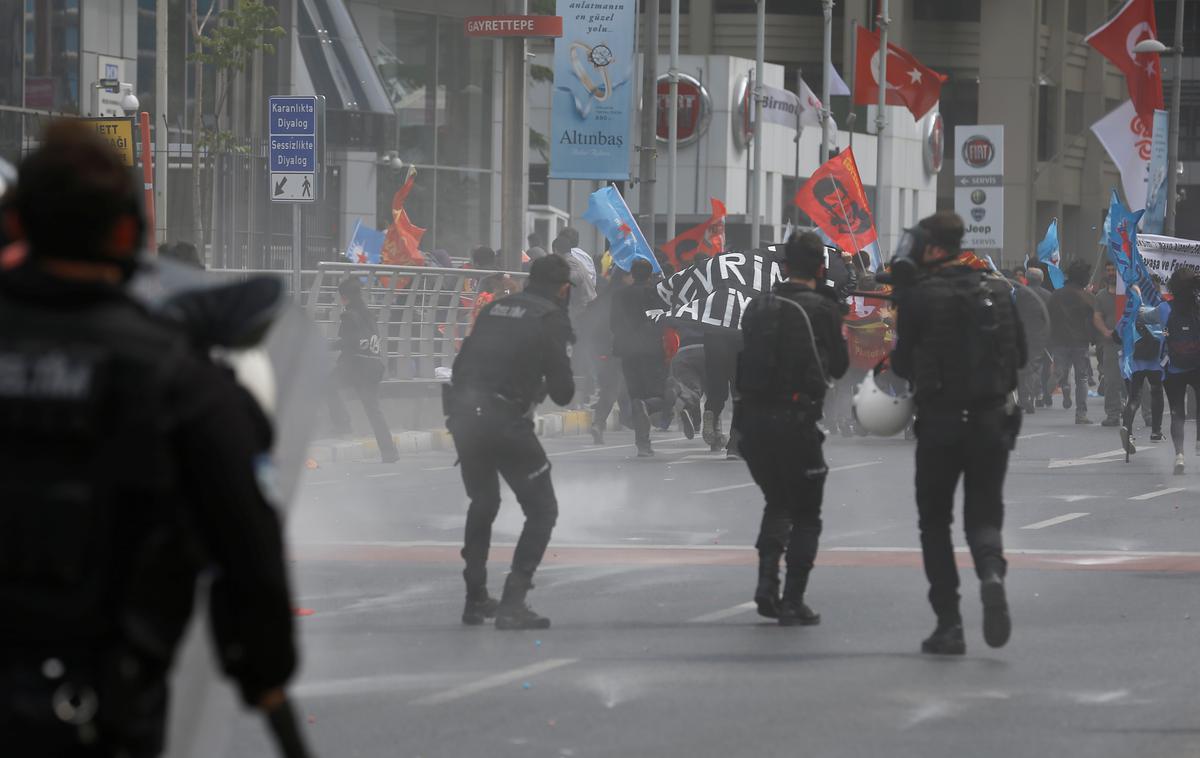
(215, 310)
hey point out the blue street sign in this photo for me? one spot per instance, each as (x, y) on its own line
(293, 123)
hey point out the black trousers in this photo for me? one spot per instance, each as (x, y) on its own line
(490, 446)
(1136, 381)
(366, 389)
(1176, 386)
(608, 381)
(720, 369)
(646, 380)
(782, 448)
(974, 448)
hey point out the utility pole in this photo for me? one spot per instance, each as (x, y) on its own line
(756, 176)
(649, 148)
(514, 195)
(161, 134)
(827, 12)
(881, 222)
(1173, 129)
(673, 124)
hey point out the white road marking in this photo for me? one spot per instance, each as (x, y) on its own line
(1056, 520)
(492, 682)
(1158, 493)
(607, 447)
(384, 476)
(729, 487)
(439, 468)
(723, 614)
(1074, 498)
(1087, 460)
(1032, 436)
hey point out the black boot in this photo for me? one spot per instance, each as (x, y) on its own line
(513, 613)
(766, 595)
(792, 610)
(997, 626)
(478, 607)
(947, 638)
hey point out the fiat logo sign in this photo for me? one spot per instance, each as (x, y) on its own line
(695, 109)
(978, 151)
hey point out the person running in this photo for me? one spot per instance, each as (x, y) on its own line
(1145, 369)
(1071, 311)
(1181, 317)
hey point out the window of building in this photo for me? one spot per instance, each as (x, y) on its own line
(52, 55)
(1047, 144)
(959, 106)
(1074, 119)
(946, 10)
(12, 22)
(1077, 16)
(664, 6)
(779, 7)
(1164, 16)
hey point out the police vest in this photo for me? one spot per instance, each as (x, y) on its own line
(967, 355)
(781, 359)
(85, 464)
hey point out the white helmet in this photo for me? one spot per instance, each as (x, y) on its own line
(880, 412)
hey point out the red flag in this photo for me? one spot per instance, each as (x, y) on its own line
(909, 83)
(707, 238)
(834, 199)
(1115, 40)
(401, 246)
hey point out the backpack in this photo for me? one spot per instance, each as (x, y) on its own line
(1183, 340)
(768, 368)
(1147, 347)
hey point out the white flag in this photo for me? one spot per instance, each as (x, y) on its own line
(810, 106)
(1128, 143)
(836, 85)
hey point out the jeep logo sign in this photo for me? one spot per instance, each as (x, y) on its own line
(978, 151)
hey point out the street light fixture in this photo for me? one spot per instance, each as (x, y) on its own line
(1154, 47)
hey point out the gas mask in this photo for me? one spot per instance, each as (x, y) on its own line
(906, 261)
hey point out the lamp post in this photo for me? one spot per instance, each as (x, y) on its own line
(1153, 46)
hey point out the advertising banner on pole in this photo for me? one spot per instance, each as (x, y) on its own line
(594, 68)
(979, 184)
(1156, 180)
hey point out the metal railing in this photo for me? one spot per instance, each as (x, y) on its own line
(423, 313)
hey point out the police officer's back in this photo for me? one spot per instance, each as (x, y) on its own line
(516, 355)
(127, 464)
(793, 349)
(960, 343)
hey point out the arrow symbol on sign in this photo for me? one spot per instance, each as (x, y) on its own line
(279, 186)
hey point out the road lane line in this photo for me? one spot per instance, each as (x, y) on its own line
(1158, 493)
(1087, 460)
(384, 476)
(1033, 436)
(1056, 520)
(724, 613)
(729, 487)
(492, 682)
(606, 447)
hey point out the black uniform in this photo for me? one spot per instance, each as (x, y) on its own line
(781, 386)
(127, 465)
(516, 355)
(960, 342)
(360, 370)
(638, 342)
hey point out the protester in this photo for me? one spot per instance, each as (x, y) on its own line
(360, 367)
(1031, 301)
(1146, 368)
(1104, 319)
(1181, 319)
(1071, 327)
(638, 342)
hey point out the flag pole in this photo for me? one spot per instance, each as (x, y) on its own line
(673, 122)
(827, 62)
(756, 176)
(881, 119)
(853, 238)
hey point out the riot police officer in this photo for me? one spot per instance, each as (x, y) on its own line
(128, 462)
(793, 349)
(960, 343)
(516, 355)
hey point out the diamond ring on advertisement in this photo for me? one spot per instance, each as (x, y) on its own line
(599, 57)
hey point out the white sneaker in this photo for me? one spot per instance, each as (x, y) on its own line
(1179, 464)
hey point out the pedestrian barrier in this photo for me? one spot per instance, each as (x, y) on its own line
(423, 313)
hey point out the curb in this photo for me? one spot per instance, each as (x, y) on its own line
(553, 424)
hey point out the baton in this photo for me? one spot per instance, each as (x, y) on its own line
(285, 730)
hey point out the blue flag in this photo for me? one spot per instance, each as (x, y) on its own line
(366, 244)
(1120, 234)
(608, 212)
(1049, 252)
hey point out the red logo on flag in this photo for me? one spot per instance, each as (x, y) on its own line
(704, 239)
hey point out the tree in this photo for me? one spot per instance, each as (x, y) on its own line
(235, 36)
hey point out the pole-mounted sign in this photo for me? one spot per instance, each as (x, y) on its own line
(294, 148)
(514, 26)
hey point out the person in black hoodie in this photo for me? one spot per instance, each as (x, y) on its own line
(638, 342)
(793, 349)
(360, 367)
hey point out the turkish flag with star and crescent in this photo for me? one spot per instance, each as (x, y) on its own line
(909, 83)
(1115, 40)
